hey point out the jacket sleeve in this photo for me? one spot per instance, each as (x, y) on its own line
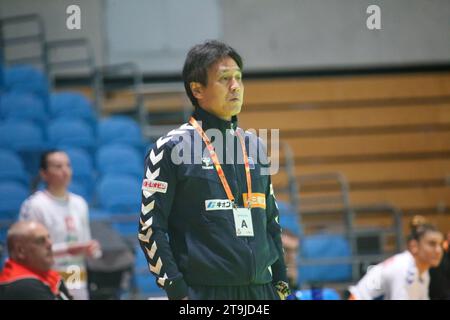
(274, 230)
(27, 289)
(158, 191)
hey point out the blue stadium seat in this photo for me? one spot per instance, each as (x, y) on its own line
(72, 105)
(21, 136)
(325, 246)
(26, 78)
(27, 139)
(99, 214)
(83, 172)
(127, 228)
(145, 281)
(74, 187)
(11, 167)
(120, 129)
(119, 194)
(2, 74)
(3, 233)
(71, 132)
(12, 195)
(23, 106)
(80, 189)
(288, 218)
(119, 159)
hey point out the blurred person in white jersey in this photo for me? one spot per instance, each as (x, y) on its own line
(404, 276)
(66, 217)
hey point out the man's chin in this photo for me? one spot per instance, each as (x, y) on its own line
(50, 263)
(235, 110)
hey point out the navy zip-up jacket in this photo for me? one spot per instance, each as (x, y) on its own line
(187, 229)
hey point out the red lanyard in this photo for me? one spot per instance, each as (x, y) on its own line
(218, 167)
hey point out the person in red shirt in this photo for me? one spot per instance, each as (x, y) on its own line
(27, 274)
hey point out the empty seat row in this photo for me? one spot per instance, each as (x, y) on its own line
(26, 106)
(115, 159)
(116, 194)
(19, 134)
(26, 79)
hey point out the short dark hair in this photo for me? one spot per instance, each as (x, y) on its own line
(44, 158)
(200, 58)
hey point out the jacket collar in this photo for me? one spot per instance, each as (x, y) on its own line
(211, 121)
(14, 271)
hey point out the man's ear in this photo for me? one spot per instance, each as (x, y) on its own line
(197, 89)
(20, 251)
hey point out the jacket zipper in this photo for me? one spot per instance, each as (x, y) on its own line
(246, 239)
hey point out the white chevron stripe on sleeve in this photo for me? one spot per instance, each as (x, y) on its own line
(147, 194)
(157, 267)
(162, 280)
(146, 237)
(156, 158)
(152, 251)
(162, 141)
(175, 132)
(186, 126)
(147, 224)
(146, 209)
(152, 175)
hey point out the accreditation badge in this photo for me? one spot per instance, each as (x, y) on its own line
(243, 222)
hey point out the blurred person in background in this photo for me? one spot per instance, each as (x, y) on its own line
(440, 276)
(27, 274)
(404, 276)
(291, 250)
(66, 217)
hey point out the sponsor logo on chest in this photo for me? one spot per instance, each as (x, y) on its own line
(207, 163)
(218, 204)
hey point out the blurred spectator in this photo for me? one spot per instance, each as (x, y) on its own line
(66, 217)
(27, 273)
(440, 276)
(291, 246)
(404, 276)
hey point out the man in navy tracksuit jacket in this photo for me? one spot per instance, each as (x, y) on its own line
(201, 241)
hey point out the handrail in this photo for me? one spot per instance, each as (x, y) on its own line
(37, 36)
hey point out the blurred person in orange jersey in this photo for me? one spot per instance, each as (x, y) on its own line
(27, 273)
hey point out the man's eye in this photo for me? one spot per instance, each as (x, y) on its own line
(40, 241)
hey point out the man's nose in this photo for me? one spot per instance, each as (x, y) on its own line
(235, 85)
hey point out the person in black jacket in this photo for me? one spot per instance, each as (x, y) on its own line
(440, 276)
(209, 219)
(27, 274)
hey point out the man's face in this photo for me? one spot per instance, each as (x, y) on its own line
(224, 93)
(59, 172)
(429, 248)
(36, 249)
